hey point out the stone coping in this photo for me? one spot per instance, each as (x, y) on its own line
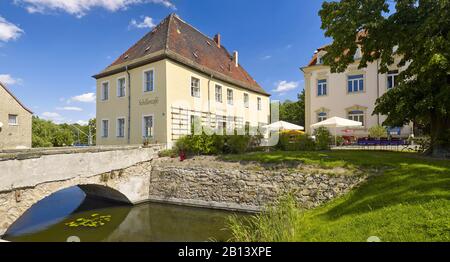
(20, 154)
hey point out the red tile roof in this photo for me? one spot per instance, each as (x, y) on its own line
(176, 40)
(14, 97)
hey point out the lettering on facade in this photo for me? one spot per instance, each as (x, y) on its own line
(147, 101)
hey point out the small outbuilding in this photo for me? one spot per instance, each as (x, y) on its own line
(15, 121)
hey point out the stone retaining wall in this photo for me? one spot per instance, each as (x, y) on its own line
(244, 188)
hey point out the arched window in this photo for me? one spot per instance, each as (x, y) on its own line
(356, 115)
(321, 116)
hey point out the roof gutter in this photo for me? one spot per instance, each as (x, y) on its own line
(186, 62)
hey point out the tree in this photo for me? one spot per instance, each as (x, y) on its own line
(294, 112)
(418, 33)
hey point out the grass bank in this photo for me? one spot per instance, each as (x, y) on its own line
(408, 201)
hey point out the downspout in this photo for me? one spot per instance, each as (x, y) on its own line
(129, 104)
(209, 101)
(378, 89)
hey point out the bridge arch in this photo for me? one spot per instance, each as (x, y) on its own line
(64, 202)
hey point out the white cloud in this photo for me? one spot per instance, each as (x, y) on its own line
(79, 8)
(82, 122)
(69, 108)
(85, 98)
(284, 86)
(266, 57)
(9, 31)
(7, 79)
(147, 22)
(53, 116)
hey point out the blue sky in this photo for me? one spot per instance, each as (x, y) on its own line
(49, 49)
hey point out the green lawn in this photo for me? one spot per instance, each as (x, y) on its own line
(408, 201)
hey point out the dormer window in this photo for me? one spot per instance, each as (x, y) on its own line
(320, 55)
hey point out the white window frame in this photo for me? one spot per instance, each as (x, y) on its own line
(358, 81)
(356, 117)
(118, 87)
(152, 128)
(322, 118)
(124, 127)
(103, 91)
(394, 74)
(246, 100)
(144, 80)
(259, 103)
(320, 87)
(192, 93)
(16, 120)
(103, 128)
(230, 99)
(218, 95)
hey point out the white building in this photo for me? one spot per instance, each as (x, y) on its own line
(351, 94)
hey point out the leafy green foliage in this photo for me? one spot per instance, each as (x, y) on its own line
(294, 112)
(323, 138)
(48, 134)
(377, 131)
(417, 33)
(408, 200)
(298, 142)
(216, 144)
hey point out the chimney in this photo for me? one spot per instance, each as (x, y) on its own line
(217, 40)
(236, 58)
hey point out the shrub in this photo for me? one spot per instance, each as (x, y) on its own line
(377, 131)
(236, 144)
(216, 144)
(299, 142)
(323, 138)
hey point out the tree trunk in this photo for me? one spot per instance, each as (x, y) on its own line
(440, 135)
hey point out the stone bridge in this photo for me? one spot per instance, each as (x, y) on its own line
(116, 173)
(135, 174)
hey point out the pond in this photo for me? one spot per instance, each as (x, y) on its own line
(96, 220)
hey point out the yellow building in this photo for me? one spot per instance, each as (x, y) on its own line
(170, 77)
(15, 121)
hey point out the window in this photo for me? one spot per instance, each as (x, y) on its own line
(319, 59)
(147, 126)
(322, 87)
(105, 91)
(247, 128)
(322, 116)
(230, 96)
(259, 104)
(246, 100)
(392, 79)
(121, 87)
(355, 83)
(195, 87)
(218, 94)
(148, 81)
(221, 125)
(105, 128)
(13, 120)
(120, 127)
(356, 115)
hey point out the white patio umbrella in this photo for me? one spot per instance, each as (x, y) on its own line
(282, 125)
(337, 122)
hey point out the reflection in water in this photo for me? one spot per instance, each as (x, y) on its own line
(145, 222)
